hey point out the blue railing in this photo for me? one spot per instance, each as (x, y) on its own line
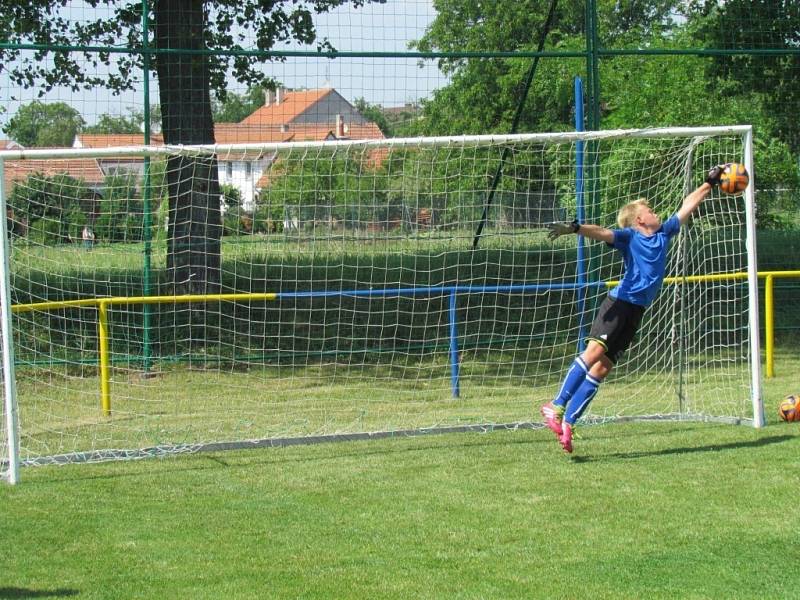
(453, 291)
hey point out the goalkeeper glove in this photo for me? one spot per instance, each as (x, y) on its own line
(560, 228)
(715, 174)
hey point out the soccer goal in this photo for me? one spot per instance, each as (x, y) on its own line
(161, 300)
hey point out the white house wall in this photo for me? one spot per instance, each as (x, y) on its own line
(235, 173)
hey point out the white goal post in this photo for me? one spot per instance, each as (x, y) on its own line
(352, 296)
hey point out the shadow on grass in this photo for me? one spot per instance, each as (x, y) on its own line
(15, 592)
(766, 441)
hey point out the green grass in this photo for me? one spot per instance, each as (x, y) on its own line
(61, 414)
(640, 510)
(266, 249)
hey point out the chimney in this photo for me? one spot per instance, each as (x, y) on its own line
(339, 126)
(269, 97)
(280, 95)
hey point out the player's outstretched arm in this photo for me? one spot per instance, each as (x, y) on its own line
(595, 232)
(693, 200)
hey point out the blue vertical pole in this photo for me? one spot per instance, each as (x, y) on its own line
(580, 211)
(454, 367)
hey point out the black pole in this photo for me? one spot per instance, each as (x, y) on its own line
(515, 123)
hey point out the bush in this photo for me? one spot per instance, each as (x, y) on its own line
(51, 205)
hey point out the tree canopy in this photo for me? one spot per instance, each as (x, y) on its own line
(483, 93)
(635, 91)
(226, 25)
(45, 124)
(109, 124)
(233, 108)
(638, 90)
(194, 48)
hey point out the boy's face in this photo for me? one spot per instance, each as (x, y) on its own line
(647, 218)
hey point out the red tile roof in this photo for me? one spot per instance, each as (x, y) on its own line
(236, 133)
(292, 104)
(268, 124)
(113, 140)
(86, 169)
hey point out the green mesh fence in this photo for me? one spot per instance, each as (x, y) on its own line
(89, 74)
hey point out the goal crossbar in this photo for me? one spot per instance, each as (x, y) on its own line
(413, 142)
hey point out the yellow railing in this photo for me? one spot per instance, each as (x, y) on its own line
(769, 313)
(769, 303)
(102, 305)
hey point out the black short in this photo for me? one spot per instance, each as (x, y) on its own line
(615, 326)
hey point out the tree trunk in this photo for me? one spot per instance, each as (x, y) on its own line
(195, 229)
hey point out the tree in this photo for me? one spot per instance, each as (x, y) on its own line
(328, 190)
(483, 93)
(49, 205)
(45, 125)
(234, 108)
(110, 124)
(373, 112)
(122, 216)
(637, 91)
(773, 76)
(681, 90)
(186, 36)
(235, 216)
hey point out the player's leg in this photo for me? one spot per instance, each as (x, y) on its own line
(577, 373)
(588, 389)
(613, 330)
(596, 347)
(582, 398)
(553, 412)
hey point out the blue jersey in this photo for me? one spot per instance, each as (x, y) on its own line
(645, 260)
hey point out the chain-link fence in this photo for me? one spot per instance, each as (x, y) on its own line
(87, 74)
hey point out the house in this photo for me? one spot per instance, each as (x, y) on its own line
(286, 116)
(85, 169)
(305, 107)
(115, 165)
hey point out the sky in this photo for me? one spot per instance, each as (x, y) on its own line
(385, 27)
(373, 28)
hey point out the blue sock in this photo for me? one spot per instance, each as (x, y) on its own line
(572, 381)
(581, 399)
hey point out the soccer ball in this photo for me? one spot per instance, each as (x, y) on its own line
(789, 410)
(734, 179)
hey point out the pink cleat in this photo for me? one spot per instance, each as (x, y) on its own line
(566, 437)
(552, 417)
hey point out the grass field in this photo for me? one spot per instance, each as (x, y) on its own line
(60, 414)
(265, 249)
(640, 510)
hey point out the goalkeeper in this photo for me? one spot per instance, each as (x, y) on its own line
(643, 242)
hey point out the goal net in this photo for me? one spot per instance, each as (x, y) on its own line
(164, 299)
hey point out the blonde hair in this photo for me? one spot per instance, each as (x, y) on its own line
(627, 214)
